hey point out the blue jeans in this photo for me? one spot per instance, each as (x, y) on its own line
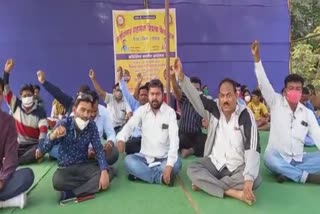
(55, 152)
(308, 141)
(296, 171)
(19, 182)
(137, 165)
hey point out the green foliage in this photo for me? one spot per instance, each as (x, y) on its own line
(305, 54)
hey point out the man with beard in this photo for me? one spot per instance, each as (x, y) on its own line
(133, 145)
(158, 160)
(30, 118)
(230, 166)
(117, 106)
(77, 176)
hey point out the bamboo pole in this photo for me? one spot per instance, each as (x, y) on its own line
(167, 3)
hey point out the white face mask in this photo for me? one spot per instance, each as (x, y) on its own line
(81, 123)
(247, 98)
(27, 101)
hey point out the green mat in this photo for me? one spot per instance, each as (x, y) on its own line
(136, 197)
(122, 197)
(40, 170)
(286, 198)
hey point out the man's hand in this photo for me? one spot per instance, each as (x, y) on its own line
(139, 78)
(58, 132)
(178, 69)
(108, 147)
(104, 180)
(166, 174)
(119, 73)
(120, 146)
(247, 191)
(41, 76)
(91, 74)
(9, 65)
(205, 122)
(91, 153)
(1, 184)
(255, 51)
(38, 154)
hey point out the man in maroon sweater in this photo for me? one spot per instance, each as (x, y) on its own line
(13, 183)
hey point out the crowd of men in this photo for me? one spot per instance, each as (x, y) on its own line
(86, 138)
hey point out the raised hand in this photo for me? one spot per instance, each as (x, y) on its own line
(178, 69)
(41, 76)
(255, 51)
(139, 78)
(9, 65)
(119, 73)
(91, 74)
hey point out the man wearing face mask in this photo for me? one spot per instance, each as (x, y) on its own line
(31, 120)
(290, 123)
(230, 166)
(117, 106)
(77, 176)
(158, 161)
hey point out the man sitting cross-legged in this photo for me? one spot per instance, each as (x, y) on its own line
(291, 121)
(31, 119)
(76, 175)
(158, 160)
(231, 156)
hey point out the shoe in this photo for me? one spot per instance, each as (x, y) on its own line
(17, 201)
(66, 196)
(132, 177)
(281, 178)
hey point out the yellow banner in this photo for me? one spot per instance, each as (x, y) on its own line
(139, 40)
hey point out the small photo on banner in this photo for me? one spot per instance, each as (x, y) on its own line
(139, 41)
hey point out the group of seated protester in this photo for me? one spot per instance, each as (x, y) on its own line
(86, 137)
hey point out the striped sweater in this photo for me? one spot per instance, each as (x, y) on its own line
(31, 126)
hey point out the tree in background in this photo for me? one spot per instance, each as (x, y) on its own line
(305, 37)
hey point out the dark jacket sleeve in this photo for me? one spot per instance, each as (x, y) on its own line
(58, 94)
(251, 145)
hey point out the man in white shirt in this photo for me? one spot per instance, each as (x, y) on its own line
(117, 106)
(231, 156)
(158, 160)
(291, 121)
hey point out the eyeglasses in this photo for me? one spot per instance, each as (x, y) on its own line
(84, 96)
